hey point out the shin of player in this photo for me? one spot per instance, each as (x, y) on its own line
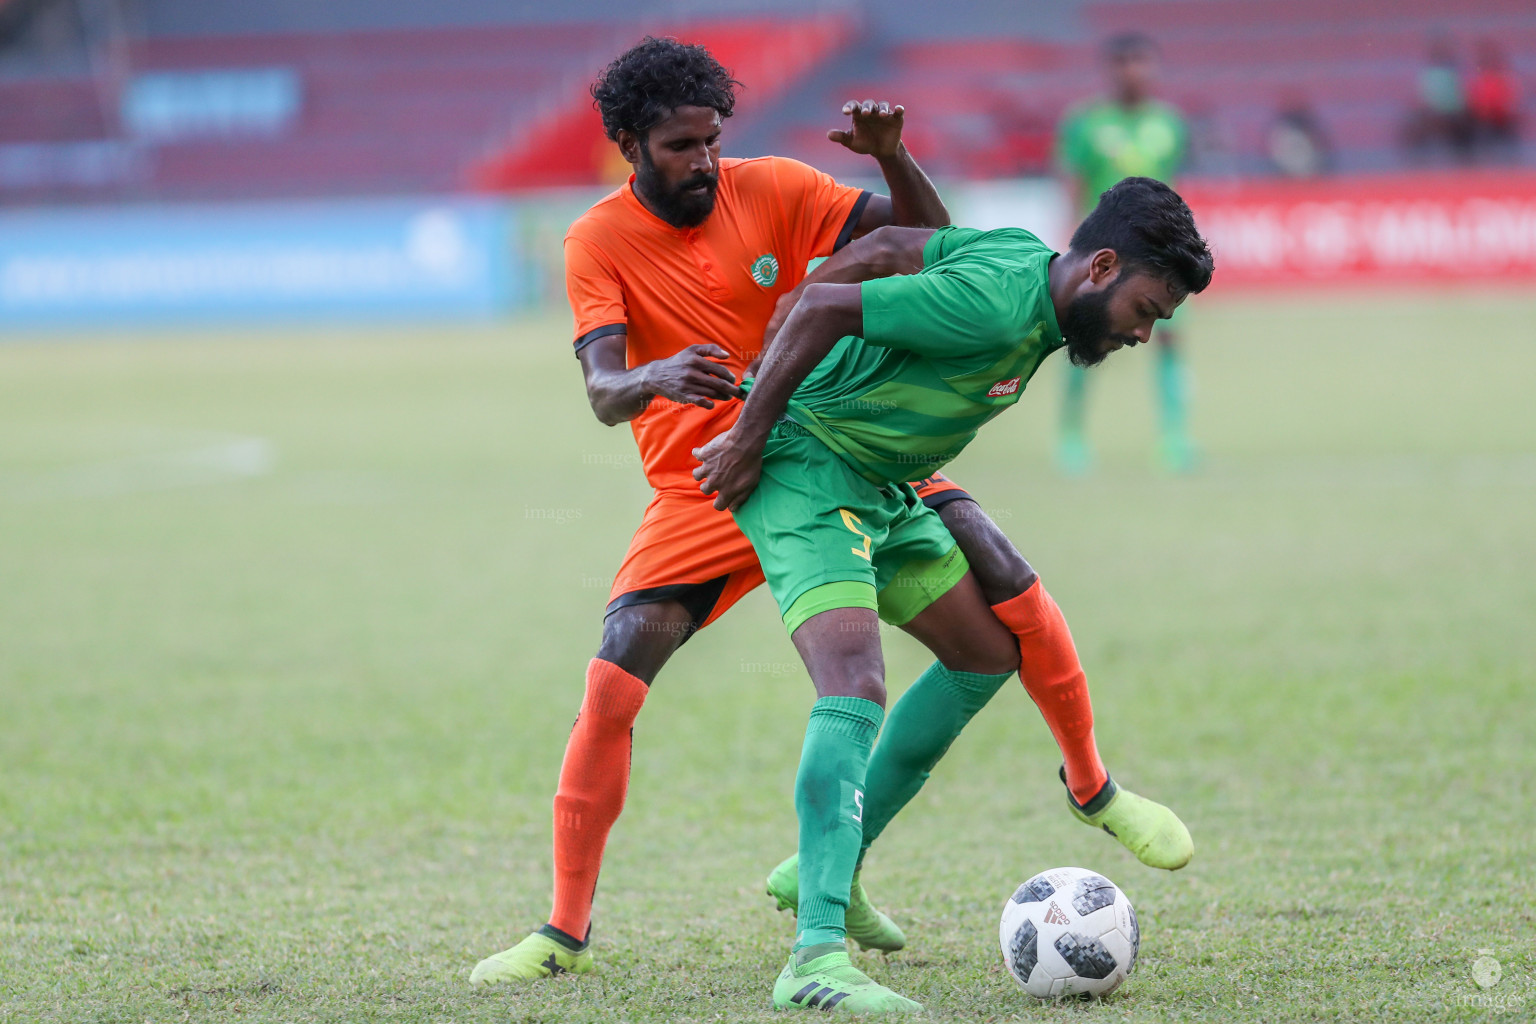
(1048, 663)
(594, 779)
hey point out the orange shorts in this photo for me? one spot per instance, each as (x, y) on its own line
(688, 551)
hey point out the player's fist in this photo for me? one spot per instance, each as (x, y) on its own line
(692, 377)
(876, 128)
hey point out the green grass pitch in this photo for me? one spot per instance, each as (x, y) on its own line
(292, 630)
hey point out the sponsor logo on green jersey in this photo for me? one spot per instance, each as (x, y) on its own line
(1004, 387)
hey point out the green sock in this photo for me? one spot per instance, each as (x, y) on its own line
(918, 731)
(1172, 391)
(829, 801)
(1073, 402)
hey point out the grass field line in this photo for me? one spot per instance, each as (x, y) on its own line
(190, 460)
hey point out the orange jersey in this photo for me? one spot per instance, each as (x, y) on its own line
(667, 288)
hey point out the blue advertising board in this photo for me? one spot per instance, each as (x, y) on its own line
(322, 259)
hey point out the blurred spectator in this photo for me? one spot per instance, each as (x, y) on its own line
(1212, 151)
(1297, 144)
(1439, 120)
(1493, 99)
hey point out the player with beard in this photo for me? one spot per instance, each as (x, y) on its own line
(870, 386)
(675, 280)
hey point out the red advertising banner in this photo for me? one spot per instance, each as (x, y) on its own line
(1420, 229)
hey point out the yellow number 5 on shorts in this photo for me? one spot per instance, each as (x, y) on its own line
(848, 520)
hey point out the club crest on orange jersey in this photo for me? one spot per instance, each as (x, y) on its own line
(1004, 387)
(765, 269)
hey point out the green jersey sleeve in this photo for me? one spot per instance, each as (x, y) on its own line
(957, 311)
(946, 241)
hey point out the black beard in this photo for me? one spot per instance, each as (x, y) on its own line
(676, 206)
(1086, 328)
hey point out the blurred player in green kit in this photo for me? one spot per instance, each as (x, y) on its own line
(1127, 134)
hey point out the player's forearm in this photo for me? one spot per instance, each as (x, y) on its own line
(824, 315)
(618, 396)
(915, 203)
(881, 253)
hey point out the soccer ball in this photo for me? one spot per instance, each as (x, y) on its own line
(1069, 932)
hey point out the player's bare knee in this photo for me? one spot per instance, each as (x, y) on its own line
(991, 654)
(841, 651)
(1006, 579)
(999, 567)
(851, 679)
(963, 634)
(640, 638)
(1003, 655)
(852, 682)
(849, 673)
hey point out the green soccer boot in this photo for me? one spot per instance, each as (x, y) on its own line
(1148, 829)
(831, 983)
(865, 925)
(537, 956)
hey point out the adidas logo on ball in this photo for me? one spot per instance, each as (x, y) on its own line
(1069, 932)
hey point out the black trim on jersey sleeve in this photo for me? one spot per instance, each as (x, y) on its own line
(938, 499)
(698, 599)
(601, 332)
(846, 235)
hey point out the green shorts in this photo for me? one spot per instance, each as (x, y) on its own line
(827, 538)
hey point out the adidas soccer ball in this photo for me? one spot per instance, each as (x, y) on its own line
(1069, 932)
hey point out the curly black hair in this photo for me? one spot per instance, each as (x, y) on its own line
(1148, 225)
(647, 82)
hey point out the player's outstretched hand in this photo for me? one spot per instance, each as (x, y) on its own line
(876, 129)
(728, 469)
(693, 377)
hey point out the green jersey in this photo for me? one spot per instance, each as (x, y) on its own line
(944, 350)
(1103, 142)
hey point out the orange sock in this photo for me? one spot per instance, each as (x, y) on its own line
(594, 777)
(1054, 677)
